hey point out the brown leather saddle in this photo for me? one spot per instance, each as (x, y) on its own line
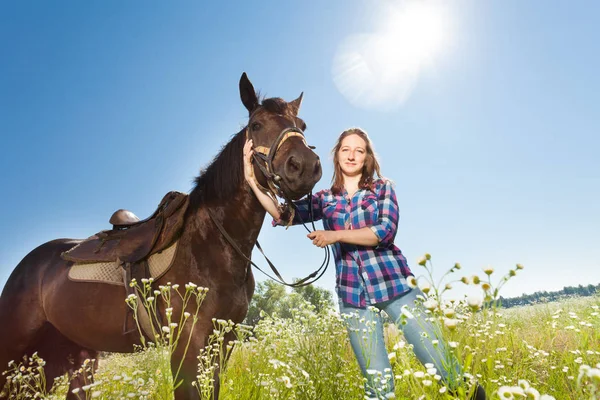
(131, 240)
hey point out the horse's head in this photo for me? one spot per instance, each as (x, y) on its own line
(286, 162)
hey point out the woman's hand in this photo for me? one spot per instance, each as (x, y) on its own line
(323, 238)
(248, 168)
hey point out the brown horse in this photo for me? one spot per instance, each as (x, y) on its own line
(66, 322)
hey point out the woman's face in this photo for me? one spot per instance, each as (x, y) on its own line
(352, 154)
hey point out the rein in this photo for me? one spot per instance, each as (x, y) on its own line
(313, 277)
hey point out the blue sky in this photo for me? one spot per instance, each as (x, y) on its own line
(107, 105)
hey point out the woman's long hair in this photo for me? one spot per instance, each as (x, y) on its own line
(370, 167)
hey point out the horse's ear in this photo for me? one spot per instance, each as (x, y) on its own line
(295, 104)
(247, 93)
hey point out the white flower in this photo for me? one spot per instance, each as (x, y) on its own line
(475, 302)
(531, 393)
(505, 392)
(488, 270)
(451, 323)
(430, 304)
(449, 312)
(411, 281)
(406, 313)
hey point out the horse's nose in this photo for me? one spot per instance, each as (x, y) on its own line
(294, 167)
(317, 167)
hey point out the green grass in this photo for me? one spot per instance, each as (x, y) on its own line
(546, 349)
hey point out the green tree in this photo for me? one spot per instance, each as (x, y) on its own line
(272, 298)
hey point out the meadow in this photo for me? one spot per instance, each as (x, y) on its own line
(543, 351)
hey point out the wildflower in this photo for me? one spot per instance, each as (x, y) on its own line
(486, 286)
(426, 288)
(448, 286)
(465, 280)
(430, 304)
(531, 393)
(512, 272)
(474, 302)
(422, 261)
(505, 392)
(406, 313)
(457, 266)
(450, 323)
(449, 312)
(475, 279)
(411, 281)
(520, 266)
(428, 256)
(488, 270)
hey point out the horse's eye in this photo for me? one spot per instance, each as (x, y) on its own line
(256, 126)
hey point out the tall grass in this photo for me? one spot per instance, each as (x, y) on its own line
(536, 352)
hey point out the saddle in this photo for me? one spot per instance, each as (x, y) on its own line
(133, 240)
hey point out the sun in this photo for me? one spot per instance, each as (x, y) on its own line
(382, 68)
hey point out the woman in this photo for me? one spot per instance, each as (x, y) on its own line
(360, 216)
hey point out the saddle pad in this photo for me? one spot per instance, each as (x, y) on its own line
(112, 273)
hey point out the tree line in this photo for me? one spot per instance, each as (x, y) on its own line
(545, 296)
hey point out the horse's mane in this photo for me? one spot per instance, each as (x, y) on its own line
(224, 175)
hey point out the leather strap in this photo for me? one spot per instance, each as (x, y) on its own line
(300, 283)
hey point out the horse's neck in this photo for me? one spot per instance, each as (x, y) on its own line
(241, 216)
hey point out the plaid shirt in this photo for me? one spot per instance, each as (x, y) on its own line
(381, 269)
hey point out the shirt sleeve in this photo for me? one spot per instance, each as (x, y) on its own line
(387, 224)
(302, 209)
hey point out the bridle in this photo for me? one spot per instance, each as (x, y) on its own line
(263, 157)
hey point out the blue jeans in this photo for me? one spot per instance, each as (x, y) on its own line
(365, 329)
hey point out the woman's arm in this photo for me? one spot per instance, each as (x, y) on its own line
(267, 202)
(363, 237)
(381, 233)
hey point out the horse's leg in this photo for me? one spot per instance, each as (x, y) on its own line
(187, 374)
(229, 337)
(61, 356)
(21, 323)
(81, 376)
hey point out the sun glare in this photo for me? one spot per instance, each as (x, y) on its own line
(381, 69)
